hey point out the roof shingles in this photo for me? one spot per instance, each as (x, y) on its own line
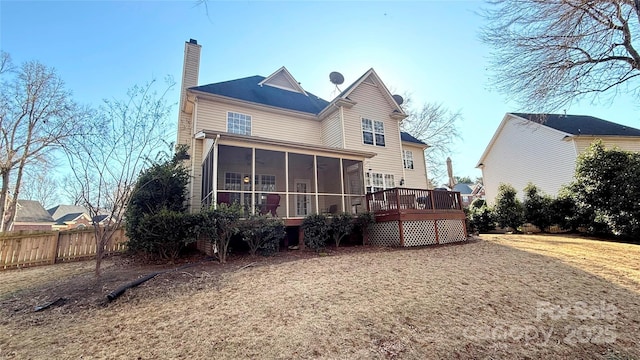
(581, 124)
(247, 89)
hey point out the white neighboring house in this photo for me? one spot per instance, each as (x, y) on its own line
(543, 149)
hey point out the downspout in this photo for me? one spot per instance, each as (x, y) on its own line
(215, 171)
(315, 180)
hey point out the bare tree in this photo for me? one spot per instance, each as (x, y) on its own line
(106, 164)
(40, 184)
(36, 116)
(549, 52)
(436, 125)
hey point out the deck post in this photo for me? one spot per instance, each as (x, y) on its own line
(401, 231)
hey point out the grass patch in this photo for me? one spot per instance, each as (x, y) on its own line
(462, 301)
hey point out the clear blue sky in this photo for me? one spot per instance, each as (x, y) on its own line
(427, 48)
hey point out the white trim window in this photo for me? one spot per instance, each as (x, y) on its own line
(238, 123)
(372, 132)
(265, 182)
(407, 159)
(379, 182)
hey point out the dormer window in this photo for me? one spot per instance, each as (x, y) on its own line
(372, 132)
(238, 123)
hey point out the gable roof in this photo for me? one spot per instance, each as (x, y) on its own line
(576, 125)
(249, 89)
(31, 211)
(59, 211)
(463, 188)
(68, 217)
(405, 136)
(283, 79)
(580, 124)
(371, 77)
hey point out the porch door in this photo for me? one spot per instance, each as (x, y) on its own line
(303, 202)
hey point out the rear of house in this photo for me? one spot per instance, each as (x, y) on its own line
(272, 146)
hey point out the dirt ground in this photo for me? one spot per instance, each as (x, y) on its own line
(497, 296)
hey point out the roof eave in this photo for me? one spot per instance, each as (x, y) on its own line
(334, 104)
(411, 143)
(210, 134)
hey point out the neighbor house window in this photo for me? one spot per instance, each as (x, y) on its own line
(379, 181)
(372, 132)
(238, 123)
(407, 159)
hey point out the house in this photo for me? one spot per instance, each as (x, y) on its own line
(69, 217)
(272, 146)
(31, 216)
(543, 149)
(469, 192)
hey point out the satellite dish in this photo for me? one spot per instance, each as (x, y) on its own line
(336, 78)
(399, 100)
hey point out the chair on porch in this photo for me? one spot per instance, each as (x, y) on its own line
(271, 206)
(224, 198)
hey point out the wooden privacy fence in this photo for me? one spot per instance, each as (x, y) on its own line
(32, 249)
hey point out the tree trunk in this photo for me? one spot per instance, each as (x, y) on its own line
(99, 234)
(3, 200)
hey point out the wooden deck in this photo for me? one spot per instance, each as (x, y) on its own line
(415, 217)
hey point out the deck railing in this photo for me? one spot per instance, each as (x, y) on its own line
(398, 200)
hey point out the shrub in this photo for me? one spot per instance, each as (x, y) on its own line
(537, 207)
(563, 211)
(262, 233)
(341, 226)
(167, 232)
(480, 217)
(363, 223)
(316, 231)
(160, 188)
(220, 225)
(606, 190)
(508, 209)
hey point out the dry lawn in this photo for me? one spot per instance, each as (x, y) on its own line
(501, 296)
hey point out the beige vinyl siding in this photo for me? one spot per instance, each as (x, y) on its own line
(416, 177)
(212, 115)
(525, 152)
(332, 130)
(371, 104)
(629, 144)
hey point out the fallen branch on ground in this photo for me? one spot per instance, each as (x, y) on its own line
(246, 266)
(119, 291)
(49, 304)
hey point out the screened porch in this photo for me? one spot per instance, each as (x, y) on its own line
(286, 184)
